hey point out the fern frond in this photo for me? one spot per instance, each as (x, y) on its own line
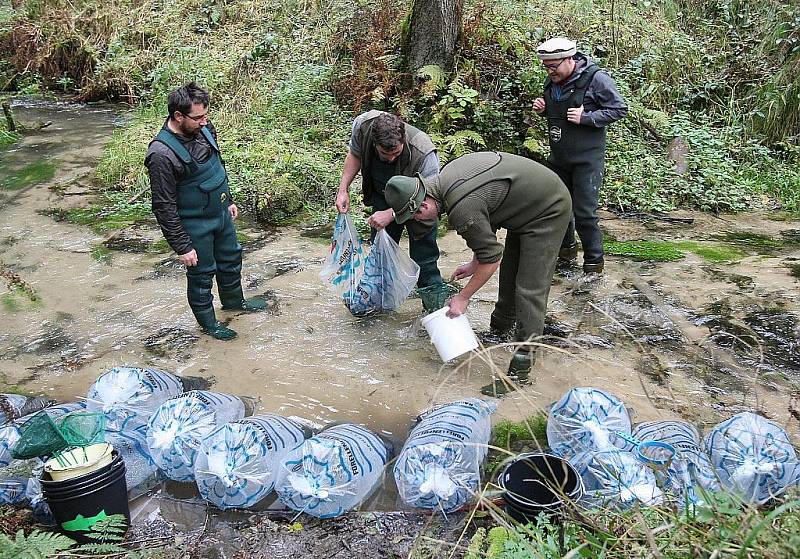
(100, 548)
(434, 74)
(464, 136)
(37, 545)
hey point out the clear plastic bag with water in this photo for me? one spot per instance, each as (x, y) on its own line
(690, 472)
(239, 462)
(753, 457)
(617, 479)
(10, 433)
(178, 426)
(128, 396)
(439, 465)
(132, 448)
(15, 406)
(333, 472)
(585, 420)
(15, 481)
(344, 265)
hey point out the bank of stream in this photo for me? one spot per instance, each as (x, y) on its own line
(692, 338)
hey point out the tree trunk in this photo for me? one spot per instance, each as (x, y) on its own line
(433, 31)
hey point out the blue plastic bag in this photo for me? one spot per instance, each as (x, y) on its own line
(389, 276)
(344, 266)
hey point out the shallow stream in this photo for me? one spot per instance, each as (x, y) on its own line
(689, 339)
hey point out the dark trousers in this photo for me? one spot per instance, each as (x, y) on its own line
(583, 180)
(219, 255)
(424, 250)
(526, 272)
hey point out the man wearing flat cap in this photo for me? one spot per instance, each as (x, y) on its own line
(579, 101)
(482, 192)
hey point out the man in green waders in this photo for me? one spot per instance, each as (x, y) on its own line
(579, 101)
(382, 146)
(480, 193)
(193, 207)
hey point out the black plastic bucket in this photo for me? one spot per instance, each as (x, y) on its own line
(86, 486)
(51, 486)
(76, 512)
(539, 482)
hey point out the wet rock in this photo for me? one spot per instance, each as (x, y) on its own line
(791, 236)
(51, 340)
(745, 283)
(128, 240)
(317, 231)
(634, 315)
(173, 341)
(169, 267)
(773, 332)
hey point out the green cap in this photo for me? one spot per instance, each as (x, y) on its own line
(404, 195)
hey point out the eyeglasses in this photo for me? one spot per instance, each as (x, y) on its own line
(197, 118)
(553, 67)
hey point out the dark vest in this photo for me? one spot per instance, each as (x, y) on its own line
(203, 191)
(373, 177)
(571, 144)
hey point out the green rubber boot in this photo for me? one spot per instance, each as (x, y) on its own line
(234, 301)
(517, 375)
(211, 326)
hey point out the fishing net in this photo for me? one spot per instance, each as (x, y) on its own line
(435, 296)
(40, 436)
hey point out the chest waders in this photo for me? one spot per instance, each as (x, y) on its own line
(577, 154)
(203, 200)
(534, 212)
(421, 247)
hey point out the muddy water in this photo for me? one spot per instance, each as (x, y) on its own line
(658, 335)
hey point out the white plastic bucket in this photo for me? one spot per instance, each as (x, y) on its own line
(451, 336)
(79, 461)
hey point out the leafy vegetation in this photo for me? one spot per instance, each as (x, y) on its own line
(721, 528)
(288, 76)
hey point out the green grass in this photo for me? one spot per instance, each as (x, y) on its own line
(723, 528)
(35, 173)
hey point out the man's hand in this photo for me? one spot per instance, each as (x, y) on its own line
(458, 305)
(465, 270)
(343, 201)
(539, 105)
(188, 259)
(574, 115)
(234, 211)
(381, 219)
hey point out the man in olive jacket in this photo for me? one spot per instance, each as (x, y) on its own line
(382, 146)
(193, 206)
(482, 192)
(580, 100)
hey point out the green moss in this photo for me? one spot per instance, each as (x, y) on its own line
(102, 254)
(111, 213)
(654, 251)
(510, 435)
(243, 238)
(794, 269)
(10, 302)
(762, 244)
(35, 173)
(160, 245)
(712, 252)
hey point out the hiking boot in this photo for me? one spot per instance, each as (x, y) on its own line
(567, 255)
(213, 327)
(594, 267)
(518, 371)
